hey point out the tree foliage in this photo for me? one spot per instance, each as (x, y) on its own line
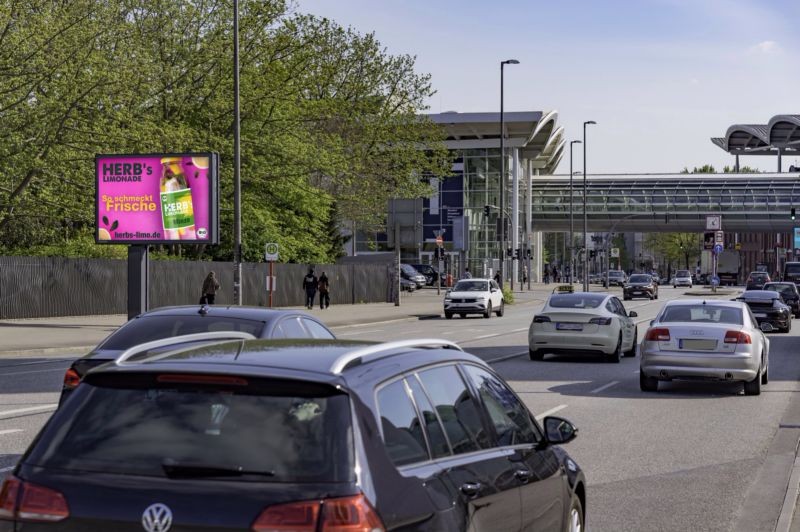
(327, 116)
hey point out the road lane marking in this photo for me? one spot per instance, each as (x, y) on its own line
(29, 372)
(550, 412)
(43, 408)
(520, 330)
(603, 387)
(355, 333)
(487, 336)
(505, 357)
(6, 469)
(10, 431)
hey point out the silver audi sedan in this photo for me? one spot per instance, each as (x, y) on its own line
(696, 339)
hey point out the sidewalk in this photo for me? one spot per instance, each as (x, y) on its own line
(73, 335)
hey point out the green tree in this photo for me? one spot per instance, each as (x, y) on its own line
(326, 115)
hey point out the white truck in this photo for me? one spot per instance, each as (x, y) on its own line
(728, 265)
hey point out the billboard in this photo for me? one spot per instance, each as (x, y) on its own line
(157, 198)
(796, 238)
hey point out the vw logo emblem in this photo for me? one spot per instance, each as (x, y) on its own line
(157, 518)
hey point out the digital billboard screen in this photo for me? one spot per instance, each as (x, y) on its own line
(157, 199)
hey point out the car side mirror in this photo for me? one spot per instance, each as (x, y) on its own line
(652, 322)
(494, 290)
(767, 327)
(559, 430)
(633, 314)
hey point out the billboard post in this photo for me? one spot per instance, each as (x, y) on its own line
(147, 199)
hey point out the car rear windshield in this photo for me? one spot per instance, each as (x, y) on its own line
(758, 276)
(471, 286)
(616, 273)
(639, 279)
(792, 267)
(149, 328)
(275, 431)
(783, 289)
(702, 314)
(576, 300)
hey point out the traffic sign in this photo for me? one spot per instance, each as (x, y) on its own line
(714, 281)
(713, 222)
(614, 253)
(719, 237)
(718, 249)
(271, 252)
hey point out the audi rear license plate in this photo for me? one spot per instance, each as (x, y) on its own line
(569, 326)
(703, 345)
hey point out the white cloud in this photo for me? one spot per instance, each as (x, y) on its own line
(765, 47)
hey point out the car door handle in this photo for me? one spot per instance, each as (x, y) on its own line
(471, 489)
(523, 475)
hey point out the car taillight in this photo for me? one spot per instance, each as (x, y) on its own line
(71, 379)
(541, 319)
(600, 321)
(737, 337)
(28, 502)
(657, 334)
(8, 497)
(346, 514)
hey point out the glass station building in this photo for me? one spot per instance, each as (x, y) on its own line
(466, 210)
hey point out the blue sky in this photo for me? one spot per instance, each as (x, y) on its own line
(659, 76)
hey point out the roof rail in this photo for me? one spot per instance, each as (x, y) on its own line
(385, 349)
(175, 340)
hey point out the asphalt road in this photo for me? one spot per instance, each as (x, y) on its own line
(695, 456)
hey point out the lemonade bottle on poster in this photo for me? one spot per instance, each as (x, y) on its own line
(177, 211)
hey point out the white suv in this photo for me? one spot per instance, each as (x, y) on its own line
(682, 278)
(474, 296)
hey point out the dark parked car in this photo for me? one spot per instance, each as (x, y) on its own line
(184, 320)
(297, 435)
(757, 280)
(640, 285)
(767, 306)
(430, 273)
(407, 271)
(789, 293)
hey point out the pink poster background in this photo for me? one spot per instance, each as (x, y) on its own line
(120, 189)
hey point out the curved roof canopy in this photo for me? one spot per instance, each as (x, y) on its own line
(535, 133)
(782, 132)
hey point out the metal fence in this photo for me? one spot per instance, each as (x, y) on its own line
(35, 287)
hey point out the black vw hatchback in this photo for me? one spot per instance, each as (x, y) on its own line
(302, 435)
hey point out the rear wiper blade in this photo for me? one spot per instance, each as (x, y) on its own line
(175, 469)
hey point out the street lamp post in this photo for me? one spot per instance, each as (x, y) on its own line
(571, 237)
(503, 172)
(237, 183)
(585, 233)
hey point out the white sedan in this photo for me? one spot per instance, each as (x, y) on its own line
(583, 322)
(705, 340)
(474, 296)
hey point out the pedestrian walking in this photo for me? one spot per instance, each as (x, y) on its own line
(324, 294)
(467, 273)
(497, 279)
(546, 275)
(310, 283)
(210, 287)
(524, 273)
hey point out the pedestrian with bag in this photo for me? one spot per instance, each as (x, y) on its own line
(310, 283)
(324, 294)
(210, 287)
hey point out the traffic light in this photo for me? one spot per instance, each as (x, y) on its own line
(486, 210)
(792, 213)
